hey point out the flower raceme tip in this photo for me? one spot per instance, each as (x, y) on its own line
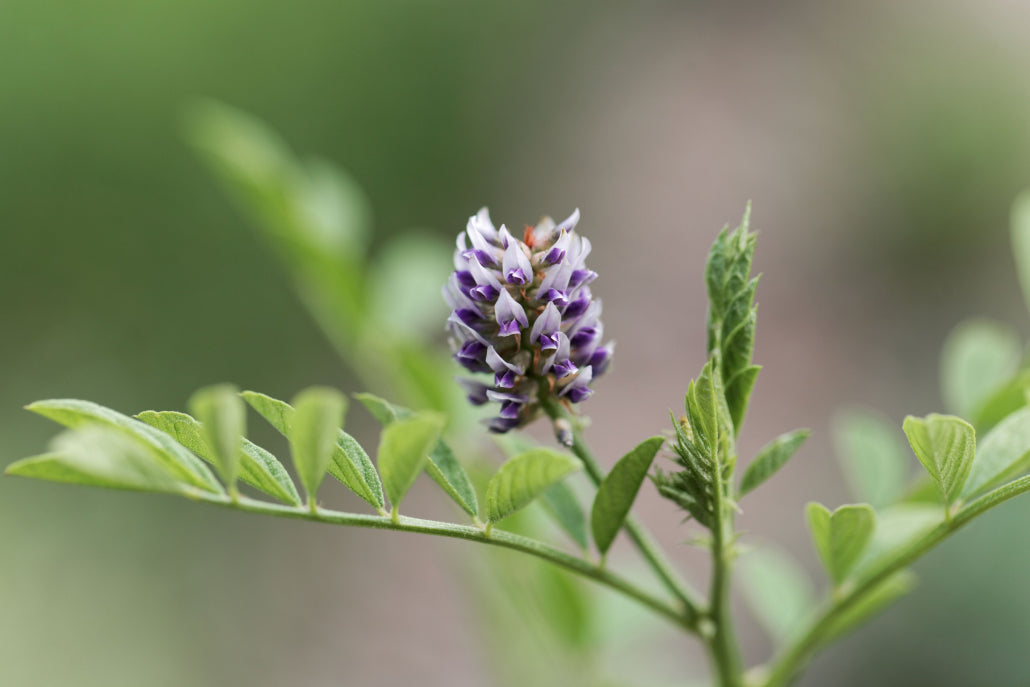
(522, 310)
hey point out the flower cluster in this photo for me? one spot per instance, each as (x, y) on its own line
(523, 311)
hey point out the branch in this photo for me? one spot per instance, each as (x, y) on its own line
(798, 654)
(500, 538)
(648, 547)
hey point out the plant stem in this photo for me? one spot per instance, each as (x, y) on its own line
(443, 529)
(645, 543)
(796, 656)
(722, 646)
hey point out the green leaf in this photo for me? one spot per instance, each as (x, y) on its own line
(258, 468)
(732, 315)
(704, 449)
(404, 448)
(315, 217)
(618, 490)
(898, 527)
(841, 537)
(523, 478)
(404, 285)
(872, 455)
(561, 502)
(777, 589)
(1021, 241)
(182, 464)
(946, 446)
(1004, 454)
(1005, 400)
(771, 458)
(568, 606)
(871, 604)
(349, 463)
(318, 415)
(443, 467)
(101, 456)
(223, 420)
(978, 357)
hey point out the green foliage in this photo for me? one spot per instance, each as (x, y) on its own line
(99, 456)
(313, 215)
(404, 450)
(560, 501)
(442, 466)
(1003, 455)
(946, 446)
(1021, 241)
(223, 424)
(1005, 400)
(349, 463)
(523, 478)
(704, 450)
(318, 416)
(777, 589)
(258, 468)
(619, 489)
(179, 462)
(872, 454)
(979, 356)
(732, 314)
(841, 537)
(771, 458)
(869, 605)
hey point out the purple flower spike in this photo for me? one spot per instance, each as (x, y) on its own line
(521, 309)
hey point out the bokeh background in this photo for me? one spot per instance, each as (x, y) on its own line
(881, 143)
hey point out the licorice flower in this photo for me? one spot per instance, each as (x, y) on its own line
(522, 311)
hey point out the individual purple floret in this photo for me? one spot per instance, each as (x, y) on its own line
(522, 311)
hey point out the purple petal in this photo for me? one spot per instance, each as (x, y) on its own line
(558, 250)
(556, 280)
(501, 425)
(578, 390)
(583, 337)
(471, 356)
(578, 306)
(501, 396)
(579, 393)
(580, 277)
(601, 358)
(516, 266)
(482, 256)
(499, 364)
(571, 221)
(482, 275)
(563, 368)
(469, 316)
(485, 293)
(476, 391)
(547, 325)
(509, 314)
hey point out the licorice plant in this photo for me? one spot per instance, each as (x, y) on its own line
(525, 329)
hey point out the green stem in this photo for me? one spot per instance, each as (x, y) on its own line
(796, 656)
(496, 538)
(648, 547)
(722, 646)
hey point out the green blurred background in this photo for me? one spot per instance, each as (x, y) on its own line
(881, 145)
